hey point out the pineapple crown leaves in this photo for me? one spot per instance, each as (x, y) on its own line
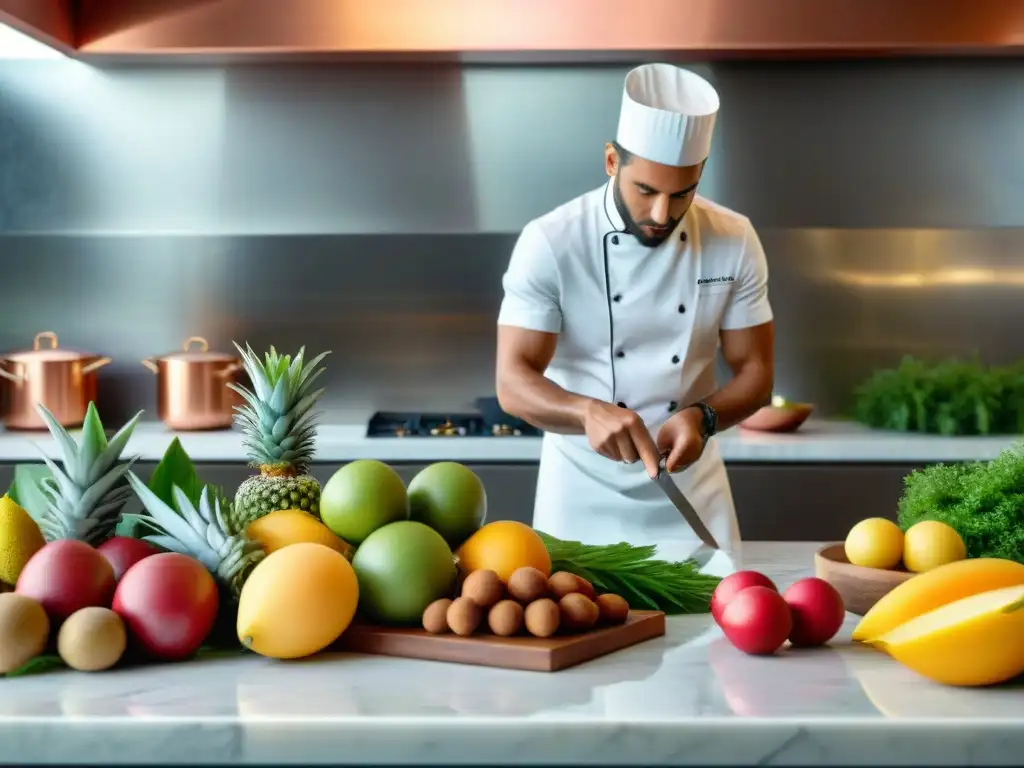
(278, 421)
(84, 500)
(202, 533)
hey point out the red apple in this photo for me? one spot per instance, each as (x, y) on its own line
(169, 604)
(732, 585)
(66, 575)
(817, 609)
(123, 552)
(757, 621)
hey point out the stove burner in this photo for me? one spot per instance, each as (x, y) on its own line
(399, 424)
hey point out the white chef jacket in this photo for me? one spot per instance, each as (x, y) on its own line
(639, 327)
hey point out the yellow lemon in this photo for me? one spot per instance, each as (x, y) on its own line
(297, 601)
(875, 543)
(20, 538)
(970, 642)
(284, 527)
(929, 544)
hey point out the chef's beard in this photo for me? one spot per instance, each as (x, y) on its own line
(634, 227)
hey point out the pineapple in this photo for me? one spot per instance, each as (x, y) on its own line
(85, 499)
(279, 427)
(202, 533)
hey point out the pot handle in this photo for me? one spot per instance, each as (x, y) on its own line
(44, 335)
(95, 364)
(232, 368)
(151, 365)
(204, 345)
(15, 377)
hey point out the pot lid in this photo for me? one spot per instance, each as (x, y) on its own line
(45, 349)
(197, 350)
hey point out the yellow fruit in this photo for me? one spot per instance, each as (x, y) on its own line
(937, 587)
(973, 641)
(291, 526)
(875, 543)
(297, 601)
(929, 544)
(20, 538)
(502, 547)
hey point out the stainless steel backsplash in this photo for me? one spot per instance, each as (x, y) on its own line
(371, 211)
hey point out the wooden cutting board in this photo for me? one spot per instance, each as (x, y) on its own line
(519, 652)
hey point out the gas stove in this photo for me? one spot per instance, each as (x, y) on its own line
(384, 424)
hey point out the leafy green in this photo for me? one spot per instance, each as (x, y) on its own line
(26, 489)
(46, 662)
(952, 397)
(630, 572)
(175, 468)
(982, 501)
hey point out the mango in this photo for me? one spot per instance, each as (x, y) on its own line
(935, 588)
(970, 642)
(284, 527)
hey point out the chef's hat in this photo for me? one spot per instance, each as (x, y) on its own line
(668, 115)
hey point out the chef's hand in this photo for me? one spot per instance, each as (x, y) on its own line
(681, 440)
(620, 434)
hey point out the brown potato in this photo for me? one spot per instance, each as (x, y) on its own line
(435, 616)
(586, 588)
(483, 587)
(505, 618)
(613, 609)
(563, 583)
(578, 611)
(527, 584)
(464, 616)
(543, 617)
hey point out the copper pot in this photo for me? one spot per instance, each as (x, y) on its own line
(192, 391)
(63, 380)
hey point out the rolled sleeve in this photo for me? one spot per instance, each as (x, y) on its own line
(531, 285)
(749, 305)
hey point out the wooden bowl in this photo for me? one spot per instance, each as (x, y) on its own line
(859, 587)
(778, 418)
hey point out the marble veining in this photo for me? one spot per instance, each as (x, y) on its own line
(816, 441)
(686, 698)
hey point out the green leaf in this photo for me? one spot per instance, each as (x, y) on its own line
(175, 468)
(25, 490)
(44, 663)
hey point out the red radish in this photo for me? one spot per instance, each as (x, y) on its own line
(123, 552)
(817, 609)
(757, 621)
(732, 585)
(169, 604)
(66, 575)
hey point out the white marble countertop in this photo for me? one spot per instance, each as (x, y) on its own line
(817, 441)
(687, 698)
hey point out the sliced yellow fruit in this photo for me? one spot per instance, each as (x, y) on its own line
(929, 544)
(971, 642)
(875, 543)
(928, 591)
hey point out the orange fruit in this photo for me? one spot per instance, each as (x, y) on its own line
(502, 547)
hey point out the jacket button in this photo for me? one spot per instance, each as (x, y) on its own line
(682, 237)
(673, 405)
(675, 358)
(620, 353)
(621, 404)
(617, 297)
(682, 308)
(615, 239)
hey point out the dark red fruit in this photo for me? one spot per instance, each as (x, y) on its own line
(817, 609)
(122, 552)
(732, 585)
(169, 604)
(66, 575)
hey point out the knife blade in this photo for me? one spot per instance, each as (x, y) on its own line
(681, 503)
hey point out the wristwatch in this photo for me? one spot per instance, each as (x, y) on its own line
(709, 422)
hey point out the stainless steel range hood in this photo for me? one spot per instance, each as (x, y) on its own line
(527, 30)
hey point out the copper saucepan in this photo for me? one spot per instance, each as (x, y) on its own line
(192, 391)
(63, 380)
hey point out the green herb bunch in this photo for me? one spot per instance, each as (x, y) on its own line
(952, 397)
(632, 573)
(983, 502)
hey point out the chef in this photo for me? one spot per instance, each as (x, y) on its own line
(615, 307)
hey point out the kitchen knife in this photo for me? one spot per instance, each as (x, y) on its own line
(679, 500)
